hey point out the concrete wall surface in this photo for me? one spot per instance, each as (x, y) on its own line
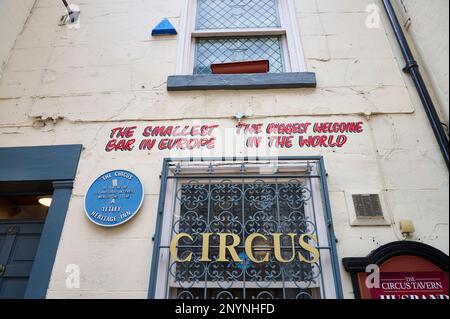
(13, 15)
(72, 85)
(428, 30)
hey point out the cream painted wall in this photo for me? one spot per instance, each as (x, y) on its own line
(430, 41)
(13, 15)
(72, 85)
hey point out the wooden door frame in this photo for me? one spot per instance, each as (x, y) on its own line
(51, 167)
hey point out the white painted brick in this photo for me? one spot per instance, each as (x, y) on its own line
(20, 83)
(111, 78)
(95, 294)
(344, 5)
(103, 263)
(356, 72)
(306, 6)
(14, 111)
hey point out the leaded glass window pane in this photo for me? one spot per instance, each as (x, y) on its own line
(221, 50)
(237, 14)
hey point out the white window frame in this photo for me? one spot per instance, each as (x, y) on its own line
(289, 31)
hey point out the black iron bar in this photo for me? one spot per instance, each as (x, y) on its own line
(246, 176)
(67, 7)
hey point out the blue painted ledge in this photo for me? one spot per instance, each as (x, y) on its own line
(241, 81)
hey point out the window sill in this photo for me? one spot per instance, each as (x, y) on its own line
(241, 81)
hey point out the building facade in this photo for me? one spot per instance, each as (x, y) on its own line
(282, 184)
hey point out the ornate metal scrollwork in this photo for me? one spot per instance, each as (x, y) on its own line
(260, 195)
(193, 195)
(242, 208)
(226, 194)
(226, 222)
(186, 275)
(294, 194)
(265, 274)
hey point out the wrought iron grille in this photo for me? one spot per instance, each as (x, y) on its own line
(242, 198)
(237, 14)
(220, 50)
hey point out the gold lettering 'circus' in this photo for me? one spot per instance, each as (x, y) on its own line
(225, 246)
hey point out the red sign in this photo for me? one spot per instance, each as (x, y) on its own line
(412, 285)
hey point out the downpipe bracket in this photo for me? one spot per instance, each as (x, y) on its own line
(410, 65)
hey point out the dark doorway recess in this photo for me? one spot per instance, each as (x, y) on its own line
(35, 189)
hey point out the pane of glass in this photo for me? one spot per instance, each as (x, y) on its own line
(237, 14)
(23, 207)
(221, 50)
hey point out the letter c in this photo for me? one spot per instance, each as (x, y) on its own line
(248, 248)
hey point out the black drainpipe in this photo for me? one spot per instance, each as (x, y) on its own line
(413, 69)
(67, 7)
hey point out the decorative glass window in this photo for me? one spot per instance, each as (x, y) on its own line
(274, 218)
(219, 31)
(237, 14)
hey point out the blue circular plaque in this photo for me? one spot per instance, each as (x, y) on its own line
(114, 198)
